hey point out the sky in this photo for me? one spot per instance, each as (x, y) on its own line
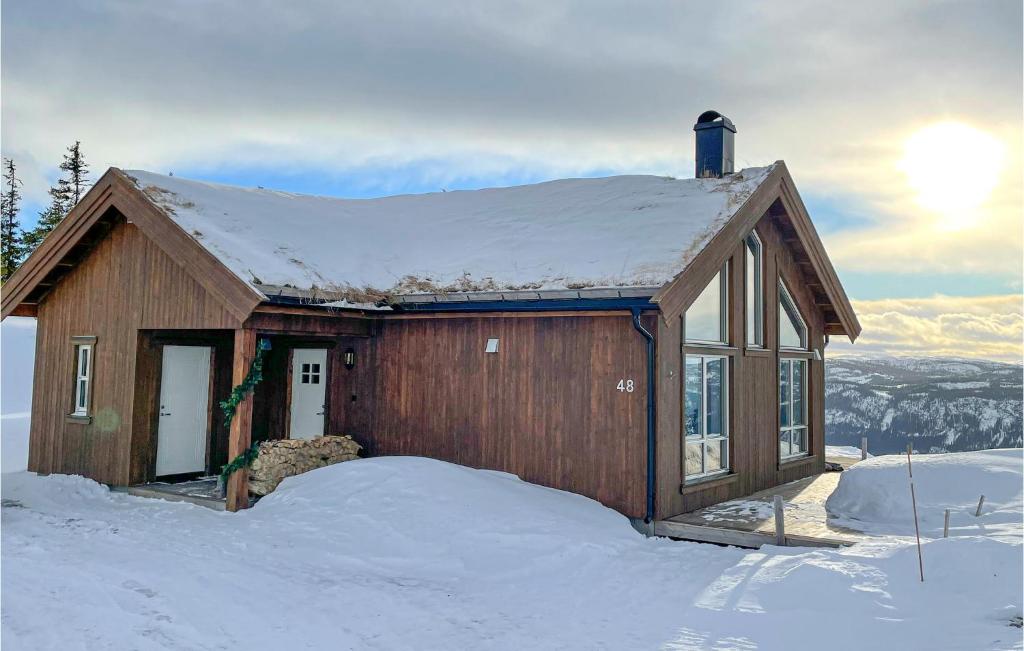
(900, 122)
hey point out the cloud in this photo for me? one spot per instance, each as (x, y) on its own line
(989, 327)
(560, 88)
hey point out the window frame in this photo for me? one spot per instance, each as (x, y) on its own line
(785, 296)
(83, 380)
(723, 311)
(757, 339)
(791, 362)
(703, 439)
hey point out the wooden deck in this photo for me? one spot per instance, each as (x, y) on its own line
(202, 492)
(750, 521)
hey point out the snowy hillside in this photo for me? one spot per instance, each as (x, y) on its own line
(937, 404)
(407, 553)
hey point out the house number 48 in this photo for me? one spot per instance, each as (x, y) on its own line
(625, 386)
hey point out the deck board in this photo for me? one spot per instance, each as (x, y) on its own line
(749, 521)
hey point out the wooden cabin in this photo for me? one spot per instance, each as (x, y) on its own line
(652, 343)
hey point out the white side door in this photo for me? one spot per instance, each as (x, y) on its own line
(184, 410)
(309, 392)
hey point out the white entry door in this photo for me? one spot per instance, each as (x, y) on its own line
(184, 410)
(309, 385)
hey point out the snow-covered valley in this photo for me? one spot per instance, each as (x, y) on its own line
(410, 553)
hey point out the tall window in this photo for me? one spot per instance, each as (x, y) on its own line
(792, 329)
(83, 378)
(706, 415)
(754, 299)
(706, 318)
(792, 407)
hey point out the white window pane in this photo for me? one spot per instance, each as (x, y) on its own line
(704, 316)
(784, 393)
(754, 294)
(714, 424)
(83, 361)
(717, 456)
(694, 459)
(82, 394)
(792, 332)
(694, 395)
(798, 392)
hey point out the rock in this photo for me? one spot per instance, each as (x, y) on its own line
(287, 457)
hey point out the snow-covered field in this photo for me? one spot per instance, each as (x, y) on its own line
(406, 553)
(409, 553)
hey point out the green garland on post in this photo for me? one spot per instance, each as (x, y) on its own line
(243, 460)
(230, 406)
(252, 378)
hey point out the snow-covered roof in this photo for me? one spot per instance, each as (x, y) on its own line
(620, 231)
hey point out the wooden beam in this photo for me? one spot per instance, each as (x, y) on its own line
(240, 437)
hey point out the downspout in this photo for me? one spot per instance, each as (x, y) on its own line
(650, 413)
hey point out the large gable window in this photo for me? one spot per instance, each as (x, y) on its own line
(706, 318)
(706, 416)
(792, 329)
(754, 297)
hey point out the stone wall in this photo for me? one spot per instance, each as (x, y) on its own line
(287, 457)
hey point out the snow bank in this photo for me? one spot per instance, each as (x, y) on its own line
(408, 553)
(874, 495)
(574, 233)
(844, 452)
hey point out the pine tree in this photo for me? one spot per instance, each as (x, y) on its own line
(12, 249)
(76, 172)
(63, 196)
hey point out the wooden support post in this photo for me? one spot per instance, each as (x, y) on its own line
(863, 448)
(780, 522)
(945, 526)
(240, 437)
(981, 503)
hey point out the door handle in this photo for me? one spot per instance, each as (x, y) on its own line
(165, 413)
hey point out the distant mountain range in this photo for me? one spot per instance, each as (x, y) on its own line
(935, 404)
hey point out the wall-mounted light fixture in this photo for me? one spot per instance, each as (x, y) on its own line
(492, 346)
(349, 358)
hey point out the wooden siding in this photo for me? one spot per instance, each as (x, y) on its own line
(126, 284)
(544, 407)
(754, 455)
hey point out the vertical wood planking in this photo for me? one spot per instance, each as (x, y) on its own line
(127, 283)
(240, 435)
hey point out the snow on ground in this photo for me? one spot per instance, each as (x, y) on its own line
(410, 553)
(874, 495)
(844, 452)
(17, 348)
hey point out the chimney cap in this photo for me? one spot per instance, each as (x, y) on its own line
(713, 119)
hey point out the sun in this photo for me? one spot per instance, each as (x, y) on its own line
(953, 168)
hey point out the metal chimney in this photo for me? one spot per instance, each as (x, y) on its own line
(715, 145)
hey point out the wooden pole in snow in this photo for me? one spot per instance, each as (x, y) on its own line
(780, 522)
(913, 501)
(945, 526)
(863, 448)
(981, 503)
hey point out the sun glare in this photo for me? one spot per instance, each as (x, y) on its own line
(953, 168)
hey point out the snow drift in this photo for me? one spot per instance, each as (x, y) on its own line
(410, 553)
(874, 495)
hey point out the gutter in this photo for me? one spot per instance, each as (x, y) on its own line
(650, 413)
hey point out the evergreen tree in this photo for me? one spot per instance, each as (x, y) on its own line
(12, 249)
(63, 196)
(76, 172)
